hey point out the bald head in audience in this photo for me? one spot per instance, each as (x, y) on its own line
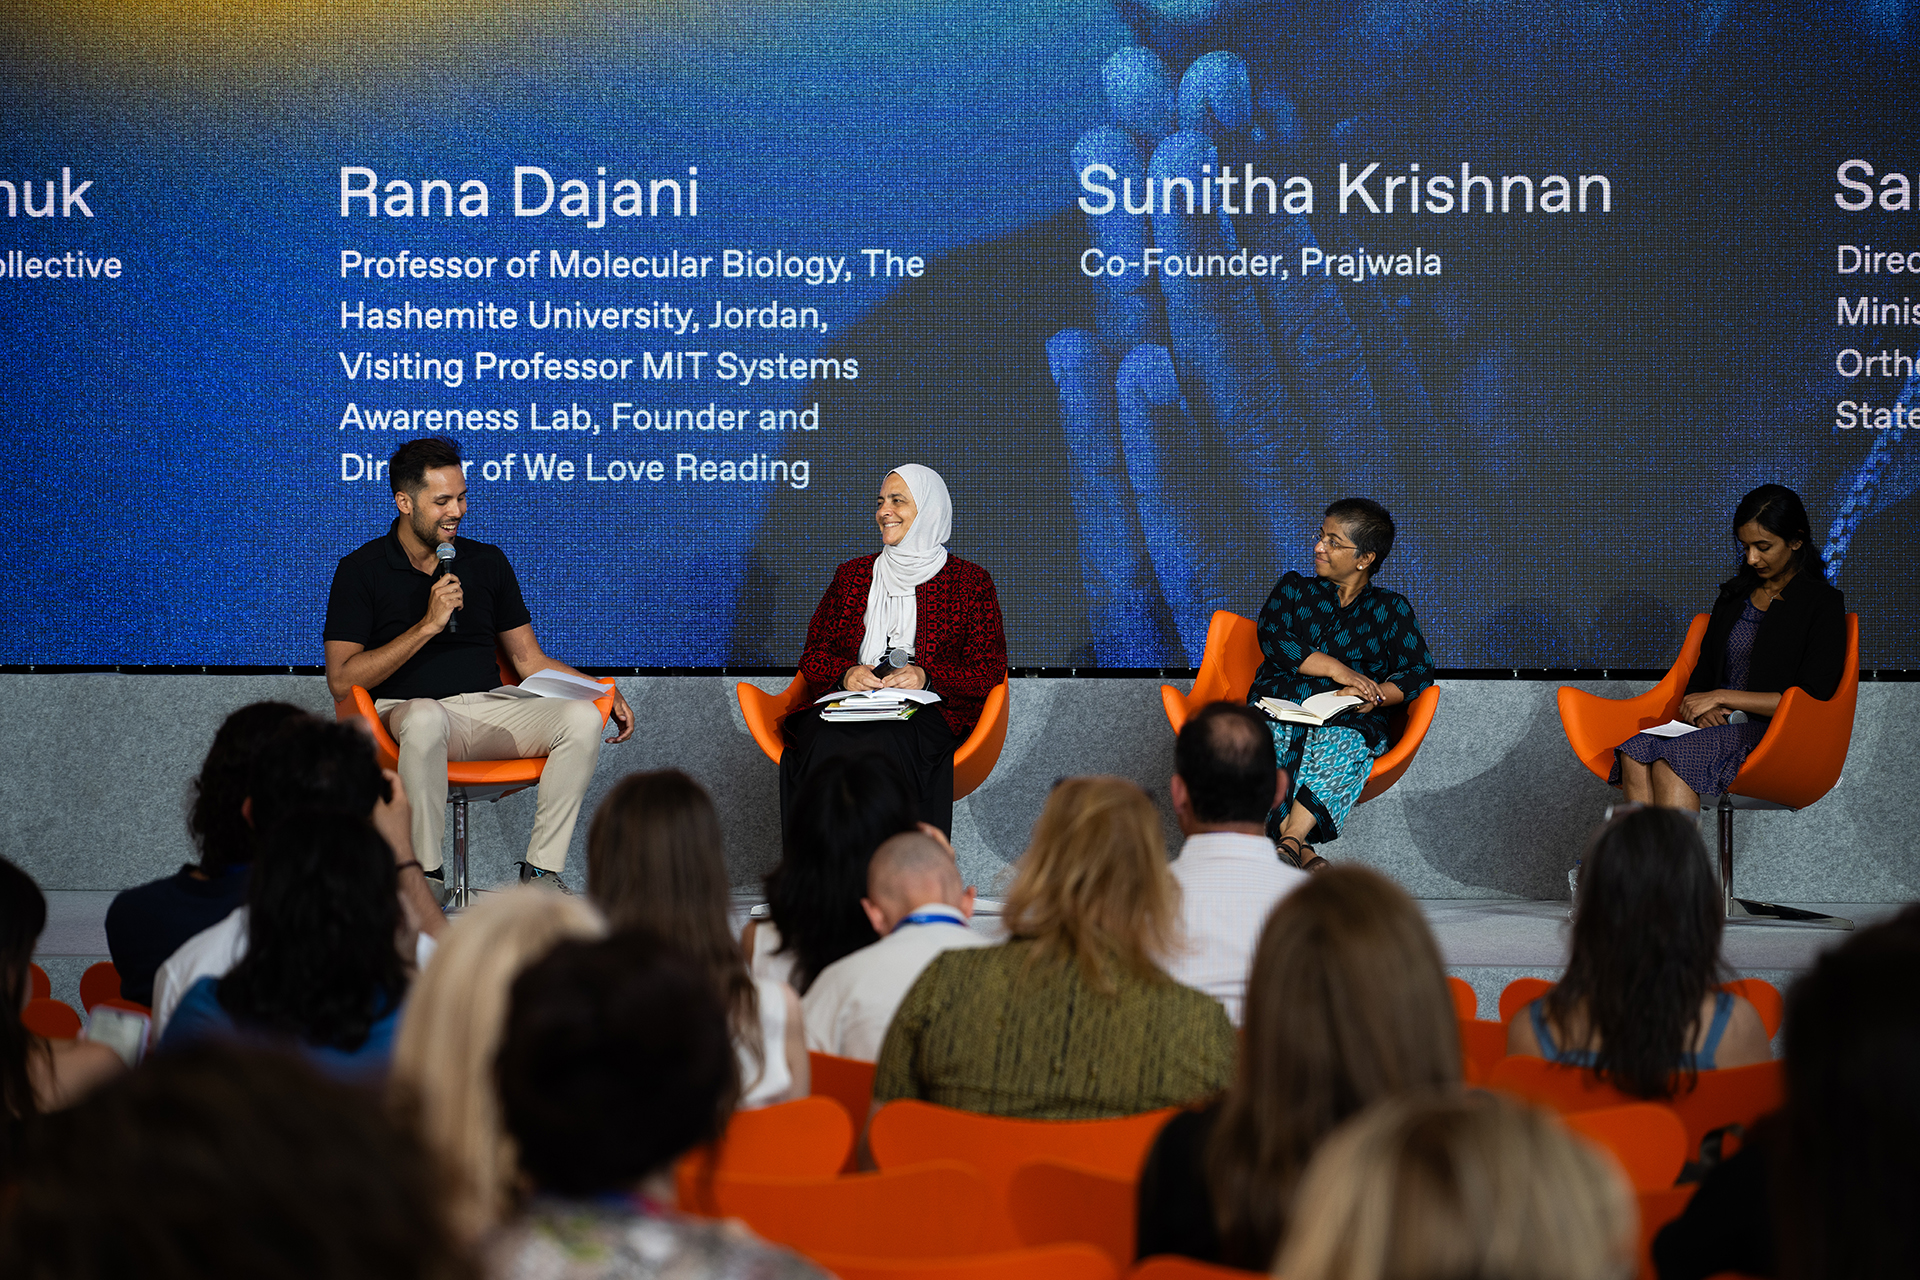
(912, 869)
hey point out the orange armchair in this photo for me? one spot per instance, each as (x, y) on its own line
(1227, 668)
(467, 780)
(1798, 761)
(973, 759)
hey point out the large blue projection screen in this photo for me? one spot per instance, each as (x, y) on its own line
(1555, 281)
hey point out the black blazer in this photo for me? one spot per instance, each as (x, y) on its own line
(1802, 641)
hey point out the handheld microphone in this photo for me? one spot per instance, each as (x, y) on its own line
(445, 552)
(895, 659)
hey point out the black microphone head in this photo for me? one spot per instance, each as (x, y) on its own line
(445, 552)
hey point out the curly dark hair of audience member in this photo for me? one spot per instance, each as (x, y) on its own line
(1847, 1188)
(615, 1061)
(220, 1161)
(846, 807)
(1779, 511)
(23, 914)
(1369, 525)
(219, 830)
(1347, 1003)
(322, 917)
(1645, 952)
(656, 860)
(407, 469)
(309, 765)
(1224, 755)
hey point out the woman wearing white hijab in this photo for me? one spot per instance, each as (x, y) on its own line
(914, 598)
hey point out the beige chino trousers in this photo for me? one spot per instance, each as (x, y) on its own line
(495, 726)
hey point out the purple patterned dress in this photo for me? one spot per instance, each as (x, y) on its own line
(1707, 759)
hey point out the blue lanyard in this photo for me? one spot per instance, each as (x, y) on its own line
(926, 917)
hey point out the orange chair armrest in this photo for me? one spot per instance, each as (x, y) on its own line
(975, 759)
(1595, 725)
(1392, 764)
(1805, 746)
(764, 712)
(359, 706)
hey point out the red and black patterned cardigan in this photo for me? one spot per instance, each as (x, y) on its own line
(959, 639)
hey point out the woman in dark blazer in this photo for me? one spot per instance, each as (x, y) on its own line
(936, 612)
(1777, 624)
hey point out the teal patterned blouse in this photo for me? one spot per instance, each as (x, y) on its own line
(1376, 635)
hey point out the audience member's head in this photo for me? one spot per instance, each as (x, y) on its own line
(221, 1163)
(616, 1060)
(309, 765)
(23, 914)
(912, 870)
(1850, 1178)
(1459, 1186)
(1224, 773)
(1646, 947)
(1093, 885)
(322, 922)
(219, 830)
(847, 806)
(443, 1058)
(655, 861)
(1347, 1003)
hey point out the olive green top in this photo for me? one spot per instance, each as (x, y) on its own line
(985, 1030)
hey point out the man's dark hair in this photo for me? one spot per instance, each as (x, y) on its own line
(214, 819)
(1225, 756)
(407, 469)
(615, 1059)
(309, 765)
(1369, 525)
(845, 808)
(321, 919)
(217, 1160)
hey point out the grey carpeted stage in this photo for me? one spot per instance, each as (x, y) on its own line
(94, 770)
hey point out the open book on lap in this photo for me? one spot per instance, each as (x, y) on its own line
(555, 684)
(1319, 709)
(874, 704)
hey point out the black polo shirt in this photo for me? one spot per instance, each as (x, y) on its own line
(377, 594)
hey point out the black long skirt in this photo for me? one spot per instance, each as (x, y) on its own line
(922, 748)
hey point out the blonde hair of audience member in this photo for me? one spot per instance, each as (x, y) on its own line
(1347, 1003)
(1458, 1186)
(443, 1058)
(1093, 886)
(655, 861)
(912, 870)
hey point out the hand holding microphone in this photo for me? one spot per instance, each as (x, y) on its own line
(446, 588)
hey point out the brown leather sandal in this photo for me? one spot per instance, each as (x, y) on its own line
(1288, 849)
(1310, 861)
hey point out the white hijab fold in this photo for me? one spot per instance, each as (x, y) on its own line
(891, 614)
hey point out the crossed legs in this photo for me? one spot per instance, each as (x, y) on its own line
(482, 726)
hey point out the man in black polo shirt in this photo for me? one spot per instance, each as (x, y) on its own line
(387, 632)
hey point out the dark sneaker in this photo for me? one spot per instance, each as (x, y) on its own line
(530, 874)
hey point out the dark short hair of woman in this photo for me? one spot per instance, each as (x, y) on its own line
(1369, 526)
(1646, 948)
(218, 1160)
(615, 1061)
(322, 962)
(1347, 1003)
(655, 861)
(1779, 511)
(850, 804)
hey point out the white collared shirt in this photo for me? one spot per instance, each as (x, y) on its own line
(1229, 884)
(850, 1005)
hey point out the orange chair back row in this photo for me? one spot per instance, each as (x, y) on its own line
(849, 1082)
(1647, 1139)
(806, 1138)
(51, 1019)
(1761, 994)
(909, 1132)
(1056, 1262)
(1718, 1099)
(100, 982)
